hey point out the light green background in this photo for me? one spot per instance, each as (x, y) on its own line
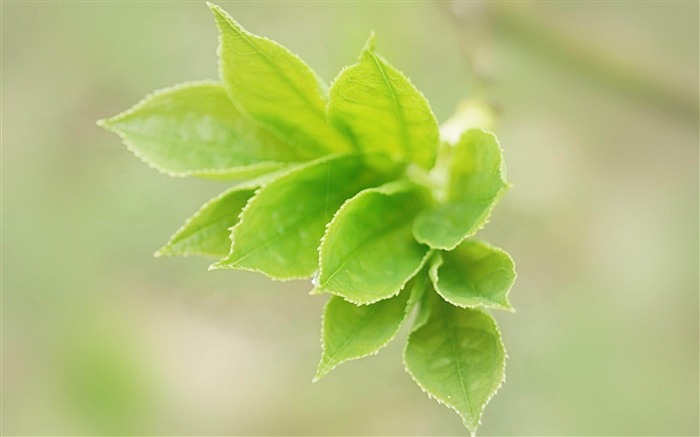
(100, 338)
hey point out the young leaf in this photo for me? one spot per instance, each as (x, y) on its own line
(421, 300)
(368, 252)
(274, 86)
(474, 274)
(457, 357)
(271, 118)
(354, 331)
(207, 231)
(282, 225)
(382, 110)
(193, 129)
(475, 184)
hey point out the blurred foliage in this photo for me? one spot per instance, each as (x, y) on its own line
(597, 105)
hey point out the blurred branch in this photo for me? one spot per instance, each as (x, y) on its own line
(555, 45)
(473, 22)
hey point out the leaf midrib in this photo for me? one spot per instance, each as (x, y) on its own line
(358, 327)
(401, 119)
(451, 341)
(212, 148)
(286, 234)
(367, 241)
(206, 226)
(318, 111)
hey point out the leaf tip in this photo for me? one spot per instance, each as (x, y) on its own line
(219, 265)
(223, 18)
(220, 15)
(216, 9)
(316, 291)
(371, 43)
(324, 368)
(319, 375)
(166, 250)
(111, 124)
(160, 252)
(103, 123)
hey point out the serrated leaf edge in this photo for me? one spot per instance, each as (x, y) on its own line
(437, 262)
(440, 401)
(380, 62)
(487, 213)
(386, 189)
(411, 303)
(327, 369)
(218, 11)
(166, 249)
(322, 87)
(211, 173)
(222, 265)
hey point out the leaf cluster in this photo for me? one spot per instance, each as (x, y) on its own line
(350, 184)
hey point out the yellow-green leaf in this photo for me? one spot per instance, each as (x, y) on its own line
(193, 129)
(207, 231)
(383, 112)
(282, 225)
(368, 253)
(354, 331)
(275, 87)
(475, 183)
(457, 357)
(474, 274)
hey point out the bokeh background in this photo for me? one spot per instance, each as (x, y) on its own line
(598, 117)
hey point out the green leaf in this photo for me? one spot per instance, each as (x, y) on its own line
(457, 357)
(282, 225)
(474, 274)
(421, 300)
(368, 252)
(383, 112)
(193, 129)
(475, 184)
(354, 331)
(207, 231)
(274, 86)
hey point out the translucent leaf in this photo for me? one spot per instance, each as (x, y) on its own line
(474, 274)
(383, 112)
(207, 232)
(193, 129)
(282, 225)
(274, 86)
(354, 331)
(475, 184)
(457, 357)
(368, 252)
